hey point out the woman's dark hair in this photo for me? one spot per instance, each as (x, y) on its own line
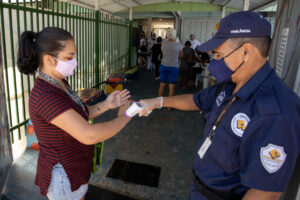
(187, 43)
(159, 39)
(33, 46)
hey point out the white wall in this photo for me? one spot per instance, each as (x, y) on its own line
(203, 28)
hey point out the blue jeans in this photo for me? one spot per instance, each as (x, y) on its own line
(60, 187)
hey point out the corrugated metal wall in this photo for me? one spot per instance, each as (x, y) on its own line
(203, 29)
(285, 51)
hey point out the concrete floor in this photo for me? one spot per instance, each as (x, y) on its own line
(166, 139)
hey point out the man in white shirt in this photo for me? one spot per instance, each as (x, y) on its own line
(194, 42)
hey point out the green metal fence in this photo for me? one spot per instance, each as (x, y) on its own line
(102, 48)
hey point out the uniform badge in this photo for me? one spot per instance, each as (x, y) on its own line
(272, 157)
(239, 123)
(220, 98)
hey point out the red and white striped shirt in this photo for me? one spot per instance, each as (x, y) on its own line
(45, 103)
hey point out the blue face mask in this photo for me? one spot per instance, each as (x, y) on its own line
(220, 70)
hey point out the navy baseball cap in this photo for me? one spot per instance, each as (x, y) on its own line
(238, 25)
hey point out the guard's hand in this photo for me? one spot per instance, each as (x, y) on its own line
(117, 99)
(124, 107)
(149, 105)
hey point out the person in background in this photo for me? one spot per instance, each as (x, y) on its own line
(169, 64)
(188, 59)
(251, 138)
(204, 61)
(142, 50)
(60, 118)
(151, 42)
(157, 56)
(204, 56)
(194, 42)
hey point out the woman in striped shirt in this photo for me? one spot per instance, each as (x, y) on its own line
(60, 118)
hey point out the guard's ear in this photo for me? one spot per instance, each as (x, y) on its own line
(247, 51)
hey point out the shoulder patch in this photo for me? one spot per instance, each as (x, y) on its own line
(272, 157)
(239, 123)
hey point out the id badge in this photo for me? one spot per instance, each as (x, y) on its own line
(206, 144)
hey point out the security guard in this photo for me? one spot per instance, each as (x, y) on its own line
(251, 139)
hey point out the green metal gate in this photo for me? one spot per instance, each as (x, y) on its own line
(102, 47)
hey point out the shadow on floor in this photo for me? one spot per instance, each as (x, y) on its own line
(103, 194)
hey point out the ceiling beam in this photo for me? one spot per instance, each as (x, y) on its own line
(81, 3)
(87, 5)
(176, 13)
(265, 4)
(118, 2)
(227, 2)
(137, 2)
(183, 6)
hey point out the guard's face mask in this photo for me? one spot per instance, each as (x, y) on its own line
(220, 70)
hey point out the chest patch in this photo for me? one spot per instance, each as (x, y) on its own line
(239, 123)
(272, 157)
(220, 98)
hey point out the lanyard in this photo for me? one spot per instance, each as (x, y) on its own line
(220, 117)
(207, 142)
(69, 91)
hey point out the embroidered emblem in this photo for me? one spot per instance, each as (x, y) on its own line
(272, 157)
(220, 98)
(239, 123)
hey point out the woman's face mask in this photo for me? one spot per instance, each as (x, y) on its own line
(66, 68)
(220, 70)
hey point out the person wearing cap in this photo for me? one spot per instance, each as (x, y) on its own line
(251, 138)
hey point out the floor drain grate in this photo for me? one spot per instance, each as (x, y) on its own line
(137, 173)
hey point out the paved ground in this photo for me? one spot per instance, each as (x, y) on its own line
(166, 139)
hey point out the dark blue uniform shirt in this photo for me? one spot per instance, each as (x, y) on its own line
(258, 140)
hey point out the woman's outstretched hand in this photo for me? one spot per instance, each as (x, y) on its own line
(117, 99)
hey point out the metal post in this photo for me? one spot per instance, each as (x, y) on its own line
(246, 5)
(130, 38)
(223, 11)
(96, 53)
(149, 26)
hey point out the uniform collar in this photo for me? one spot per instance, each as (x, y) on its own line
(254, 82)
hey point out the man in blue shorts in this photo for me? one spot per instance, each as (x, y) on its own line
(169, 63)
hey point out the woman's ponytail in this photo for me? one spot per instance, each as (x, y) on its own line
(28, 55)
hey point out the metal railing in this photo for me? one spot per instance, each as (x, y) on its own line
(101, 39)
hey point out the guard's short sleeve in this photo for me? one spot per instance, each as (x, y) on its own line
(268, 153)
(205, 99)
(51, 104)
